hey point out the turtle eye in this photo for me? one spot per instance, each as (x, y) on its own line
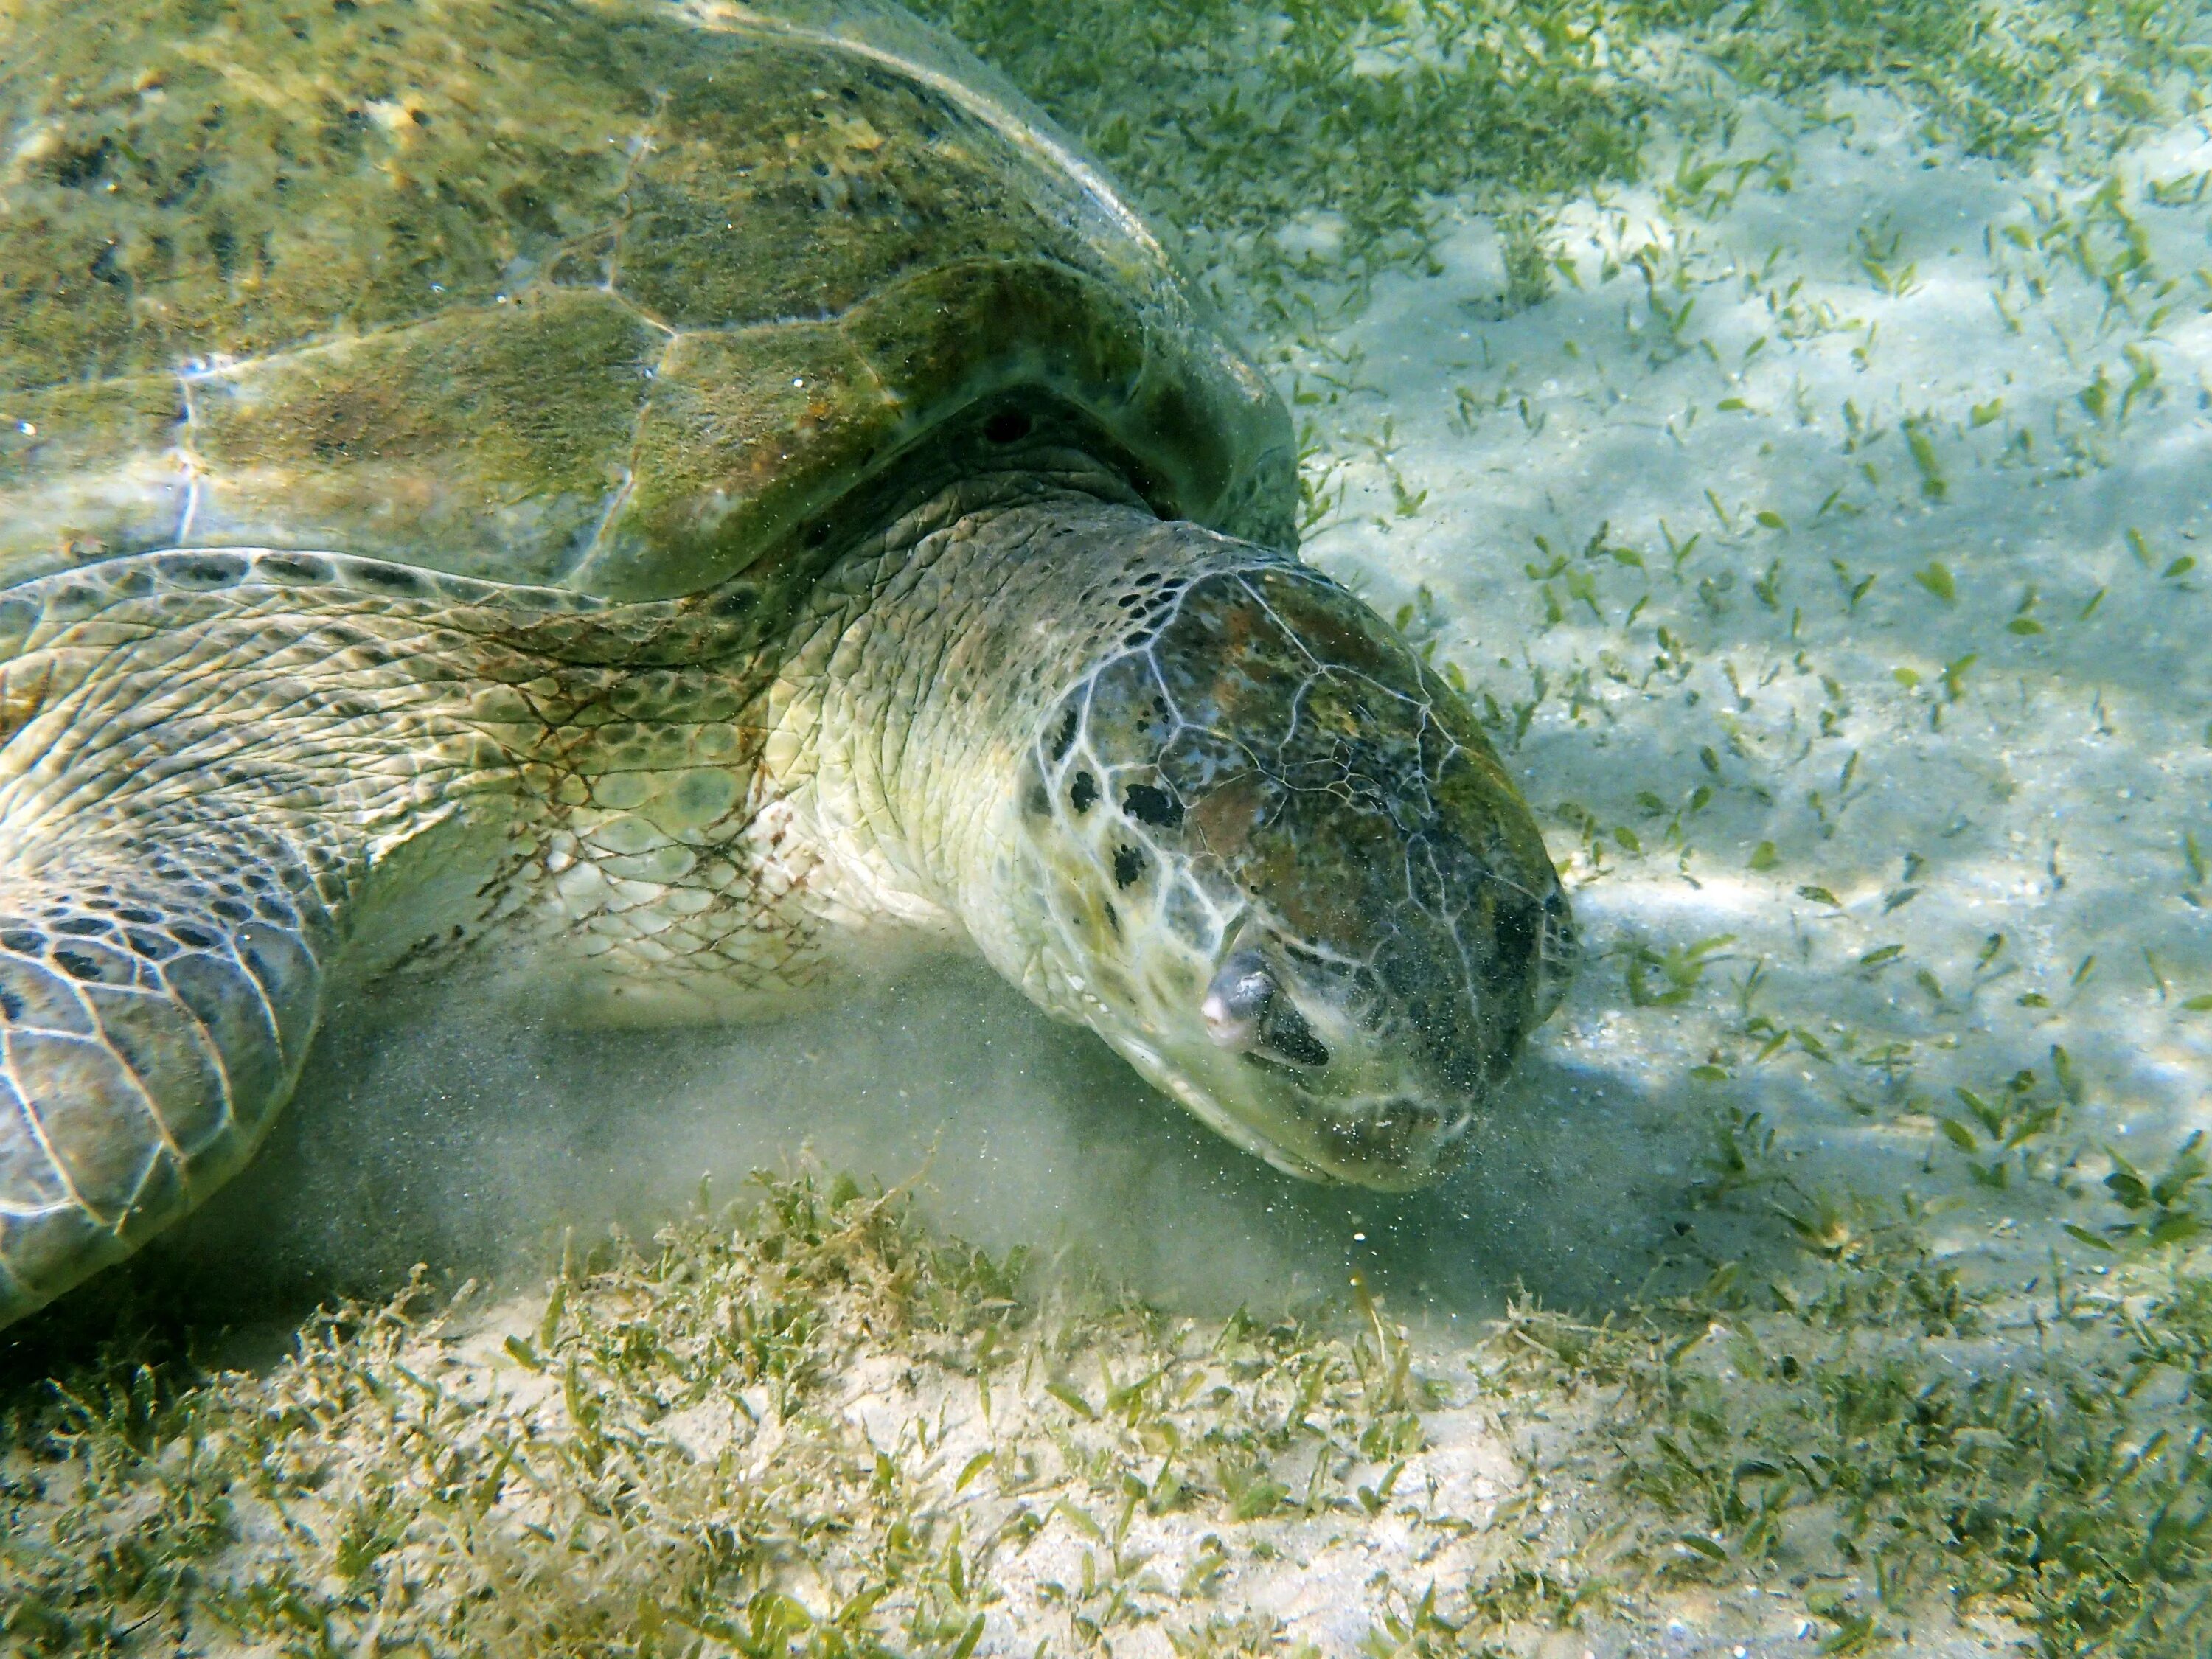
(1246, 1012)
(1237, 1000)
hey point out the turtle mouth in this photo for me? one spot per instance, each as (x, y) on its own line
(1296, 1072)
(1398, 1144)
(1270, 1107)
(1394, 1145)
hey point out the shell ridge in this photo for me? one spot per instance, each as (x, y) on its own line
(618, 228)
(189, 456)
(1024, 133)
(617, 305)
(572, 574)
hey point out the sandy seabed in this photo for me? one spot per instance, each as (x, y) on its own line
(1828, 551)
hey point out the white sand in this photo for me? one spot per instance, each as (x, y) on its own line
(2047, 802)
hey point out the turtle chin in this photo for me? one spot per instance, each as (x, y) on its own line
(1391, 1141)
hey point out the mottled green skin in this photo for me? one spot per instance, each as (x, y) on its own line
(622, 298)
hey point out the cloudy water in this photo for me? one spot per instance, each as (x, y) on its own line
(478, 1138)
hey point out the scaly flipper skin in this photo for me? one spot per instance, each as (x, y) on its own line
(216, 764)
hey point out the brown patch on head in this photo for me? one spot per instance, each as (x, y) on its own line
(1333, 637)
(1224, 819)
(1317, 863)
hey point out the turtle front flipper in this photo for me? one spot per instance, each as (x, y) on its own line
(220, 770)
(158, 994)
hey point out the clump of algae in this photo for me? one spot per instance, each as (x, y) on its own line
(804, 1425)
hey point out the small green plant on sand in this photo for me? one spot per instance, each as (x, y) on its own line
(807, 1425)
(1233, 121)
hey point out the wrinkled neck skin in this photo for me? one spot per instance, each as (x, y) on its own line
(904, 731)
(640, 813)
(243, 792)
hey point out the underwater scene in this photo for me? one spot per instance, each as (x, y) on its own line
(1175, 828)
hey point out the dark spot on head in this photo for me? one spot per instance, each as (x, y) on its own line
(1083, 792)
(1128, 865)
(82, 926)
(79, 167)
(206, 572)
(1514, 927)
(11, 1006)
(78, 965)
(291, 567)
(23, 941)
(1036, 801)
(1063, 739)
(1008, 426)
(391, 578)
(1154, 806)
(1113, 920)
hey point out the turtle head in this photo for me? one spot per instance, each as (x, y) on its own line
(1288, 879)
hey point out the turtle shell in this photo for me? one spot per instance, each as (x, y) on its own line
(627, 298)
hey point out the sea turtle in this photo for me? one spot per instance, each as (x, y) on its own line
(695, 499)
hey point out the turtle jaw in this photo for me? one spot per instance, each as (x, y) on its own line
(1392, 1141)
(1304, 1068)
